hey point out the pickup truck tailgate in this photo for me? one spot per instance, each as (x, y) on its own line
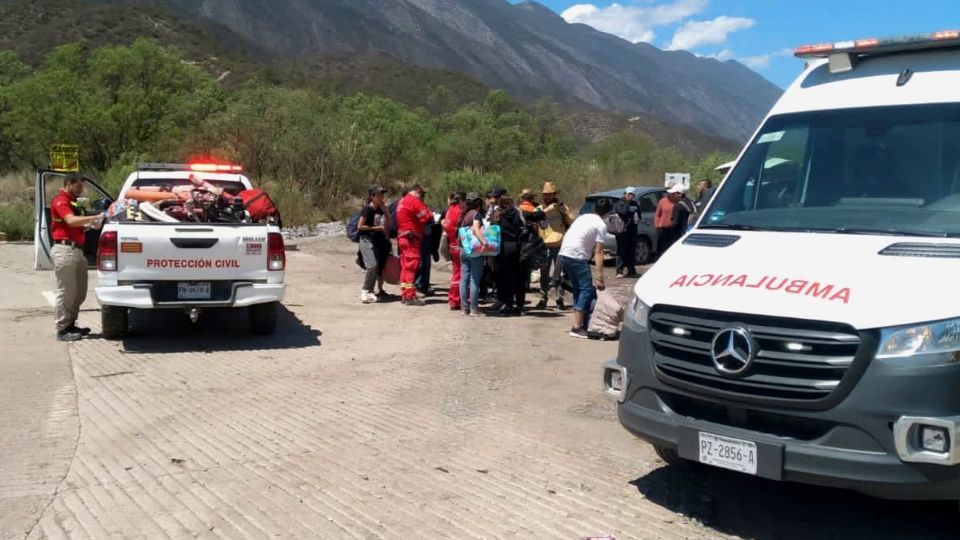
(167, 252)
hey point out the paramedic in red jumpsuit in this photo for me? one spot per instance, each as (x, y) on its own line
(451, 222)
(412, 216)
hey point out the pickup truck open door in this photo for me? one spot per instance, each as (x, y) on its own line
(48, 184)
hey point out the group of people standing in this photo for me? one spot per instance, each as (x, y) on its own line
(532, 236)
(543, 237)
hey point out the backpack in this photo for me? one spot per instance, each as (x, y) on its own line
(259, 205)
(533, 251)
(392, 228)
(615, 224)
(353, 227)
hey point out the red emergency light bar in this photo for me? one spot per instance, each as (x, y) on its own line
(196, 167)
(214, 167)
(934, 40)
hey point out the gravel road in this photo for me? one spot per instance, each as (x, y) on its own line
(357, 421)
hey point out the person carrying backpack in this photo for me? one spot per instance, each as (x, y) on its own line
(372, 227)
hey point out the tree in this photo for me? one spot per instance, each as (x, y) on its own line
(497, 102)
(116, 101)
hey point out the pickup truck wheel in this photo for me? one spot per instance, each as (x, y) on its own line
(263, 318)
(644, 250)
(113, 321)
(669, 456)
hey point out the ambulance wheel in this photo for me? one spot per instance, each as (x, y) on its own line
(263, 318)
(113, 321)
(644, 251)
(670, 456)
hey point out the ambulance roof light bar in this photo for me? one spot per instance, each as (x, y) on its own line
(197, 167)
(843, 54)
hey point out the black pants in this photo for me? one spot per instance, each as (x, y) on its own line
(665, 238)
(627, 252)
(510, 275)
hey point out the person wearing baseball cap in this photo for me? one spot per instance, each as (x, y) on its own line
(374, 244)
(665, 219)
(557, 219)
(628, 210)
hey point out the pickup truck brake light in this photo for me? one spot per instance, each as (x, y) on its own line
(107, 252)
(276, 259)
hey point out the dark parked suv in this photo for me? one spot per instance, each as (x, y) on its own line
(647, 197)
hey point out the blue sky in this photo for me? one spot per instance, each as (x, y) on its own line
(759, 33)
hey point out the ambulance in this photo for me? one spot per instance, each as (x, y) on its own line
(807, 329)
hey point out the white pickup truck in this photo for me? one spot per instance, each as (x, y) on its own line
(176, 265)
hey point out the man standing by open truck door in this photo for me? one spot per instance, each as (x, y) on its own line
(68, 228)
(412, 216)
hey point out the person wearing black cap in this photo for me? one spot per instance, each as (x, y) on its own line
(374, 245)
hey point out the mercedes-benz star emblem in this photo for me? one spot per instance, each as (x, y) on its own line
(733, 351)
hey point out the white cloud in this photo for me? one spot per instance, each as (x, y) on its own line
(695, 33)
(723, 55)
(633, 23)
(762, 61)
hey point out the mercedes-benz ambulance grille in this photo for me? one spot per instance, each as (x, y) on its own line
(795, 360)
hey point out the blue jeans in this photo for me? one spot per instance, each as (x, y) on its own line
(471, 270)
(582, 280)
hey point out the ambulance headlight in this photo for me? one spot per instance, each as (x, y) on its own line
(639, 312)
(932, 338)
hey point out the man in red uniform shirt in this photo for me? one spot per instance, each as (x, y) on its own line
(412, 216)
(68, 228)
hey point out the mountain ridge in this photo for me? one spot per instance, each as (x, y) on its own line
(525, 48)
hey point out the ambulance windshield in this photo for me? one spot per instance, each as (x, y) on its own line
(879, 170)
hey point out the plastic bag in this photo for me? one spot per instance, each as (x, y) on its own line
(473, 248)
(606, 316)
(445, 247)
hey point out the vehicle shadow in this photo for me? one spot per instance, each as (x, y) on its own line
(162, 331)
(750, 507)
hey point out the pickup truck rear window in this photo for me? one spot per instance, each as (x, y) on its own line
(877, 170)
(230, 187)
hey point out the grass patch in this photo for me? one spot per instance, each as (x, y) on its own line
(16, 221)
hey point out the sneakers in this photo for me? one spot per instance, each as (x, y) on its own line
(578, 333)
(413, 302)
(69, 335)
(474, 312)
(368, 297)
(83, 331)
(619, 275)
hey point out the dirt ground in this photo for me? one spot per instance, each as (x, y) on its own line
(357, 421)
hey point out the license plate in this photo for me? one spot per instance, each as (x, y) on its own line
(733, 454)
(193, 291)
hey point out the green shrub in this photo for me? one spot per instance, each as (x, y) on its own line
(16, 221)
